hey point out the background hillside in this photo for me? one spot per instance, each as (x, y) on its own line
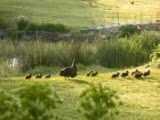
(80, 13)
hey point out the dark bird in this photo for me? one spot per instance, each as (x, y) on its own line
(89, 73)
(136, 71)
(38, 76)
(28, 76)
(147, 73)
(138, 75)
(69, 71)
(48, 75)
(125, 74)
(132, 2)
(115, 75)
(93, 74)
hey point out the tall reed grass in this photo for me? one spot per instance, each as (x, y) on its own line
(127, 52)
(123, 52)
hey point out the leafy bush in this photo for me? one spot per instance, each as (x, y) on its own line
(30, 102)
(155, 56)
(22, 22)
(4, 24)
(9, 106)
(99, 103)
(47, 27)
(38, 101)
(128, 30)
(32, 27)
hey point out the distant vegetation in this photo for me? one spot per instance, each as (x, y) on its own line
(4, 24)
(23, 23)
(114, 53)
(155, 56)
(128, 30)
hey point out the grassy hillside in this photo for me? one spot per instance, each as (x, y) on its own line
(79, 13)
(140, 97)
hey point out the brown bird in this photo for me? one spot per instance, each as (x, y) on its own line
(115, 75)
(147, 73)
(125, 74)
(38, 76)
(93, 74)
(138, 75)
(48, 75)
(89, 73)
(136, 71)
(28, 76)
(69, 71)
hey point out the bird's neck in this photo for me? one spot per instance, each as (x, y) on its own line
(74, 64)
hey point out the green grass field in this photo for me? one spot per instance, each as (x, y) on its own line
(78, 13)
(140, 97)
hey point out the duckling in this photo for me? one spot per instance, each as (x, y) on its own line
(28, 76)
(147, 73)
(38, 76)
(48, 75)
(136, 71)
(93, 74)
(115, 75)
(125, 74)
(89, 73)
(138, 75)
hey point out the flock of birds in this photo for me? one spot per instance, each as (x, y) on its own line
(66, 72)
(136, 74)
(29, 76)
(91, 73)
(71, 71)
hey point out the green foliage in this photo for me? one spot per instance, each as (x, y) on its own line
(128, 30)
(30, 102)
(115, 53)
(22, 22)
(127, 52)
(99, 103)
(38, 101)
(9, 106)
(32, 27)
(4, 23)
(59, 28)
(155, 56)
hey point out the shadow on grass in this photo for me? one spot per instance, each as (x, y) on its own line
(149, 79)
(79, 81)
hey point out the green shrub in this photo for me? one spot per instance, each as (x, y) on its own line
(4, 23)
(32, 27)
(126, 52)
(9, 106)
(37, 101)
(29, 102)
(49, 27)
(53, 27)
(128, 30)
(22, 22)
(155, 57)
(99, 103)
